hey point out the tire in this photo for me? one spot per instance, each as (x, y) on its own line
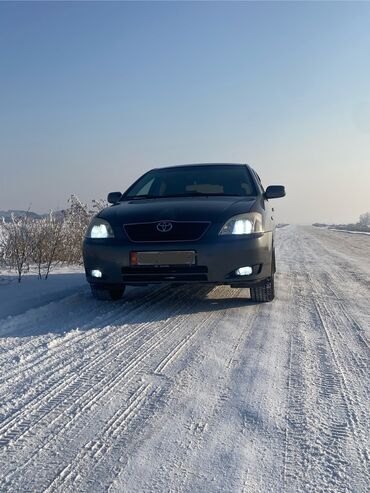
(264, 292)
(107, 294)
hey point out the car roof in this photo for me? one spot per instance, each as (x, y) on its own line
(201, 164)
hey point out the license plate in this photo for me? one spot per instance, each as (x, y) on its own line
(164, 258)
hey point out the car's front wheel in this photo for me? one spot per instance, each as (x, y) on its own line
(264, 291)
(107, 294)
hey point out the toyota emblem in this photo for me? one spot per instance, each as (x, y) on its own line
(164, 226)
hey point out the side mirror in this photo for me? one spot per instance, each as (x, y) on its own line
(114, 197)
(275, 191)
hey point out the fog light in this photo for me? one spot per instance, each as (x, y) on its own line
(244, 271)
(96, 273)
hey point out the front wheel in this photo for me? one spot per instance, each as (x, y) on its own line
(107, 294)
(265, 291)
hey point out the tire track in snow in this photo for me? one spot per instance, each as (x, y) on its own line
(353, 404)
(119, 448)
(322, 413)
(349, 348)
(88, 372)
(100, 313)
(314, 454)
(106, 385)
(177, 469)
(113, 435)
(179, 347)
(66, 362)
(119, 341)
(113, 314)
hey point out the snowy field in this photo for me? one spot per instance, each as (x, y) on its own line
(192, 389)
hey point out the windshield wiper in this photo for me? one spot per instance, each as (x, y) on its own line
(137, 197)
(203, 194)
(187, 194)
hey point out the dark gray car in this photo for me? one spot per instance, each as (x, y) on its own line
(199, 223)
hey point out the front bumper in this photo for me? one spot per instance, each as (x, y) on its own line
(216, 261)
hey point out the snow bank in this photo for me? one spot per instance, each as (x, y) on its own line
(17, 298)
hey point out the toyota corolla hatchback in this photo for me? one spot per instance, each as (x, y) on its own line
(199, 223)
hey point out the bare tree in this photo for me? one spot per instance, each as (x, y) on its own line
(3, 242)
(77, 219)
(39, 240)
(365, 219)
(18, 246)
(48, 243)
(55, 231)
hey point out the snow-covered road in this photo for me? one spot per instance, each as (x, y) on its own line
(192, 389)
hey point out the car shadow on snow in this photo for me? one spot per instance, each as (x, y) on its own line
(150, 304)
(153, 304)
(158, 304)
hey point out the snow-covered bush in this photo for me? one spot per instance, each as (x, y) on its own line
(3, 241)
(48, 241)
(76, 220)
(44, 243)
(17, 243)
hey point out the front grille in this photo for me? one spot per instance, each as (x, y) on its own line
(181, 231)
(164, 274)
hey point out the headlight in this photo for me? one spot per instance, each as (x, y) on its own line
(99, 228)
(243, 224)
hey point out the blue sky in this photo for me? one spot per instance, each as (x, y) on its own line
(94, 94)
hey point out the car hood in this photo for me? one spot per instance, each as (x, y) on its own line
(214, 209)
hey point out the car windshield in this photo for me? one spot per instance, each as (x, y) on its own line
(194, 181)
